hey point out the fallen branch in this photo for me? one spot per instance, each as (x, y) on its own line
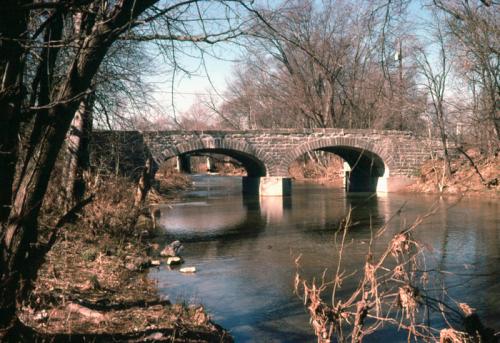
(472, 164)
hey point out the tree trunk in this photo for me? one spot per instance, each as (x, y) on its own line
(145, 181)
(19, 236)
(77, 153)
(496, 126)
(12, 27)
(444, 142)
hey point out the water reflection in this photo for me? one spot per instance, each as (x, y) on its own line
(244, 248)
(274, 208)
(215, 218)
(466, 242)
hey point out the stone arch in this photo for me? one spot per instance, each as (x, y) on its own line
(380, 152)
(253, 160)
(368, 161)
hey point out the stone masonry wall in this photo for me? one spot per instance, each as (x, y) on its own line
(402, 152)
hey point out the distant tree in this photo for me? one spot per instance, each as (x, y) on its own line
(197, 117)
(325, 66)
(435, 79)
(474, 35)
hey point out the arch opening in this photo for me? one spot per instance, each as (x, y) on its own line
(253, 166)
(363, 170)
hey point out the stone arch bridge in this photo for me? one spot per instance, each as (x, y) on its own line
(378, 160)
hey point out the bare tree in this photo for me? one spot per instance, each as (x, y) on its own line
(77, 159)
(326, 66)
(118, 95)
(474, 34)
(435, 77)
(67, 43)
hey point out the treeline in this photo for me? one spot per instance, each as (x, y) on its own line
(432, 68)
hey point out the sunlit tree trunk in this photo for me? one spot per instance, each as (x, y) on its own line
(77, 153)
(144, 183)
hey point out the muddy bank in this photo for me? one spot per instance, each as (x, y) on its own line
(93, 285)
(478, 174)
(472, 173)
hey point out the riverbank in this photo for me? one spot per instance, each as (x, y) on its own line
(472, 173)
(475, 174)
(94, 284)
(329, 173)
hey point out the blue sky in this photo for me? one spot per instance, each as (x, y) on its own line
(204, 72)
(200, 80)
(219, 66)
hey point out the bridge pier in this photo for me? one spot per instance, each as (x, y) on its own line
(395, 183)
(210, 165)
(378, 184)
(267, 186)
(183, 164)
(359, 180)
(383, 184)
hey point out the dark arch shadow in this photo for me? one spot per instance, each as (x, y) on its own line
(366, 167)
(358, 158)
(253, 166)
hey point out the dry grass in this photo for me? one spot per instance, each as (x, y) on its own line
(93, 282)
(454, 336)
(465, 179)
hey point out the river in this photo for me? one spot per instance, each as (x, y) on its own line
(244, 250)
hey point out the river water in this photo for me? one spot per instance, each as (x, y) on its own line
(244, 250)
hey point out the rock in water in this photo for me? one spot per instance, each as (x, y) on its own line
(188, 270)
(167, 251)
(177, 246)
(174, 260)
(173, 249)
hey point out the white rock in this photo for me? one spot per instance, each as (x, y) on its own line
(173, 260)
(188, 270)
(155, 262)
